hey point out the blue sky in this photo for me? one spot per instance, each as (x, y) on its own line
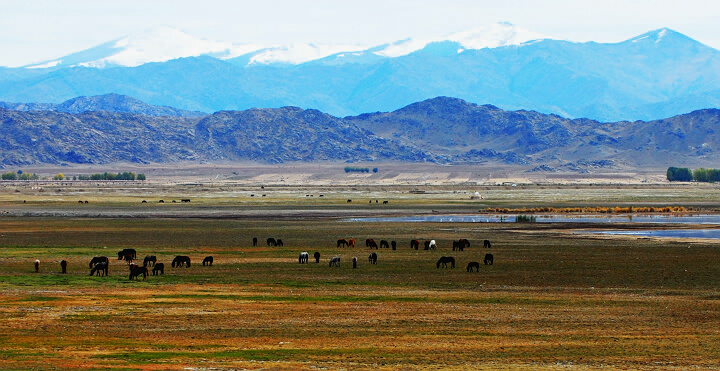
(33, 30)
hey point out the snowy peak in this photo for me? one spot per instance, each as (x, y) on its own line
(493, 36)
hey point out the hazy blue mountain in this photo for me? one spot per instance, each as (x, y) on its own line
(658, 74)
(107, 102)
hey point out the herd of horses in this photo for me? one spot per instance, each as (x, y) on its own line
(99, 265)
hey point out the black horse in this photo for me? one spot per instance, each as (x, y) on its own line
(271, 242)
(208, 260)
(393, 244)
(149, 260)
(254, 241)
(372, 258)
(279, 242)
(63, 266)
(99, 269)
(458, 245)
(124, 253)
(180, 261)
(317, 257)
(488, 259)
(384, 244)
(486, 244)
(371, 243)
(473, 265)
(159, 267)
(355, 260)
(98, 259)
(342, 242)
(444, 260)
(414, 244)
(466, 242)
(136, 270)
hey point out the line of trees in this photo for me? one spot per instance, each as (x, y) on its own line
(683, 174)
(112, 176)
(20, 175)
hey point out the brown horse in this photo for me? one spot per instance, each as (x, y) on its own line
(371, 243)
(351, 242)
(414, 244)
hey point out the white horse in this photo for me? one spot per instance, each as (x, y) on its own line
(335, 261)
(432, 245)
(304, 257)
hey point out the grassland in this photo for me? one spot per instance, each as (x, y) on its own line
(552, 300)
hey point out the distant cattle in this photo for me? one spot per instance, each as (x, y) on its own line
(207, 261)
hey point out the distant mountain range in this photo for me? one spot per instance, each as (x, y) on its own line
(658, 74)
(443, 130)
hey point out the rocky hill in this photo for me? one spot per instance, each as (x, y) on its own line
(443, 130)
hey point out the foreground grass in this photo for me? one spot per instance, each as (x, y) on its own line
(551, 300)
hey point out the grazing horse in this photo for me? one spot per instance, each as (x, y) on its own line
(371, 243)
(414, 244)
(208, 260)
(342, 242)
(185, 200)
(354, 262)
(486, 244)
(271, 242)
(488, 259)
(393, 244)
(304, 258)
(127, 252)
(372, 258)
(279, 242)
(384, 244)
(159, 267)
(100, 268)
(444, 260)
(181, 260)
(37, 266)
(473, 265)
(254, 241)
(351, 242)
(149, 260)
(317, 257)
(136, 270)
(432, 245)
(335, 261)
(349, 200)
(466, 242)
(97, 260)
(385, 202)
(458, 245)
(63, 266)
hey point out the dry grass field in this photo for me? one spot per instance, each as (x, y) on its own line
(552, 300)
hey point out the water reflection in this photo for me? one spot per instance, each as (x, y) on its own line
(680, 219)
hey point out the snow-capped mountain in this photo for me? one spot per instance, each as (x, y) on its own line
(162, 44)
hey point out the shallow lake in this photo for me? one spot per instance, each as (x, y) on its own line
(713, 234)
(680, 219)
